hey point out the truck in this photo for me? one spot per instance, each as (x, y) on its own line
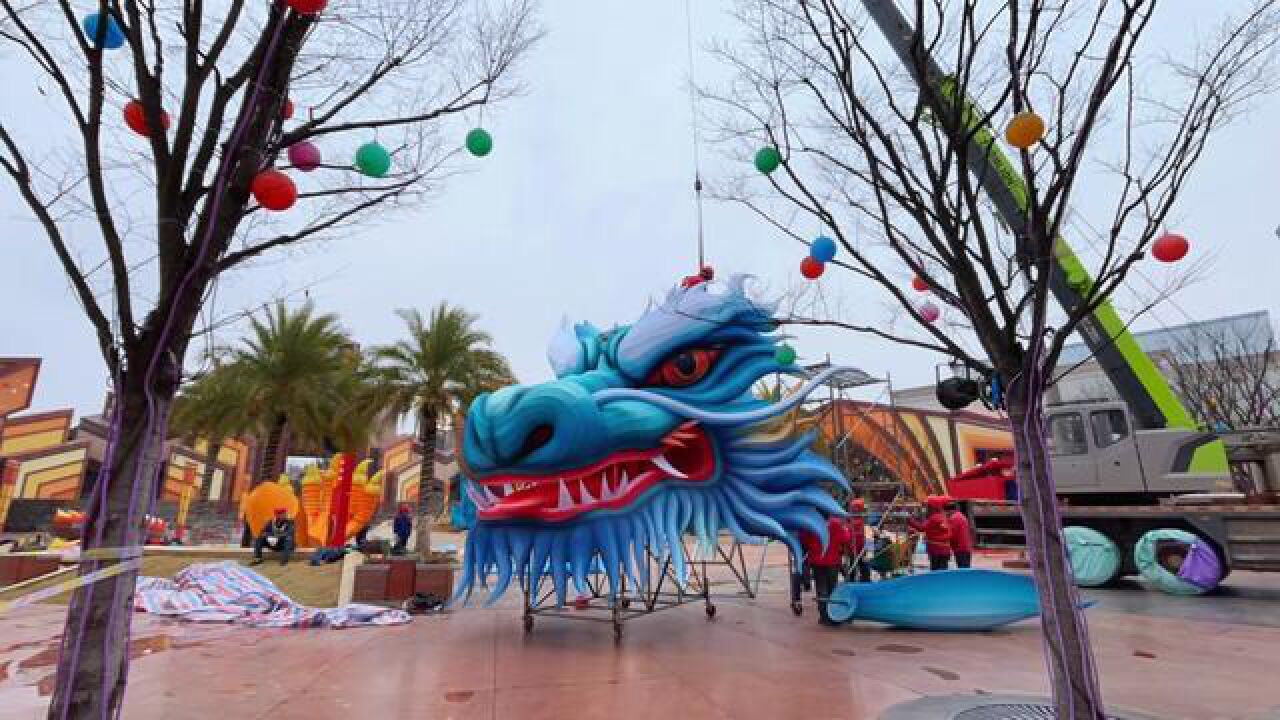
(1125, 467)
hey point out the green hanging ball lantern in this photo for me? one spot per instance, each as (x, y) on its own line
(373, 160)
(479, 142)
(785, 355)
(768, 159)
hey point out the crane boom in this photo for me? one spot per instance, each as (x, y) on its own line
(1136, 378)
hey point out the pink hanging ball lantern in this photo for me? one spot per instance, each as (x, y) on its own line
(304, 155)
(930, 312)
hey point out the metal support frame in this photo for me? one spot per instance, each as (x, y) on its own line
(663, 593)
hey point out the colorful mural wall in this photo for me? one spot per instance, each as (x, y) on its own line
(922, 448)
(38, 459)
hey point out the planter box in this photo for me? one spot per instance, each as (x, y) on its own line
(370, 583)
(434, 579)
(20, 567)
(400, 579)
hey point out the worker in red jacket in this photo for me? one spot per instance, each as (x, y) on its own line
(826, 561)
(937, 532)
(859, 569)
(961, 535)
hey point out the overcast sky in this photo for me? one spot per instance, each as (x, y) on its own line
(585, 208)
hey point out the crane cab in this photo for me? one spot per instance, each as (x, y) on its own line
(1097, 452)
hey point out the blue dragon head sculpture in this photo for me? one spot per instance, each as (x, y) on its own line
(650, 432)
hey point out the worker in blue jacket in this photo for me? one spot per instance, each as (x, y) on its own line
(402, 527)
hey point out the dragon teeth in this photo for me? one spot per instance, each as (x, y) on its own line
(623, 482)
(584, 493)
(566, 500)
(606, 492)
(488, 494)
(507, 490)
(479, 497)
(665, 466)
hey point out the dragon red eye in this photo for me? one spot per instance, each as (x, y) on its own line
(684, 368)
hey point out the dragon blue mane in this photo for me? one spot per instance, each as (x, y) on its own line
(650, 432)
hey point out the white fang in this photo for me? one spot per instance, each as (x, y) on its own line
(585, 494)
(566, 500)
(665, 466)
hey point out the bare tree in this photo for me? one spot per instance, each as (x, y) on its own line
(1228, 376)
(889, 150)
(163, 215)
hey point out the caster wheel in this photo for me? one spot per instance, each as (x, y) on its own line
(797, 609)
(528, 623)
(626, 603)
(617, 633)
(711, 611)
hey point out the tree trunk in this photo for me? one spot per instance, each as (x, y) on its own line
(428, 498)
(1072, 672)
(273, 451)
(93, 661)
(211, 467)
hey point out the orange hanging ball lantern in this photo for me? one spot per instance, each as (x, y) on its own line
(1025, 129)
(919, 285)
(274, 190)
(136, 118)
(811, 269)
(1170, 247)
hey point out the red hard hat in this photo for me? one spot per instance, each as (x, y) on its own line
(935, 501)
(857, 504)
(282, 511)
(404, 507)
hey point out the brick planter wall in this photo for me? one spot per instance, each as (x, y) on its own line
(393, 580)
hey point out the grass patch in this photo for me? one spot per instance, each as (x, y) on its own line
(314, 586)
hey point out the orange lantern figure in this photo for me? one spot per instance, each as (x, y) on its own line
(136, 118)
(1025, 129)
(274, 190)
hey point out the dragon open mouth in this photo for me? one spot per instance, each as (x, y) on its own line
(683, 455)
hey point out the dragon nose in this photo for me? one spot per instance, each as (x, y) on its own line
(537, 438)
(529, 428)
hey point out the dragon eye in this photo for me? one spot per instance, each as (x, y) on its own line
(684, 368)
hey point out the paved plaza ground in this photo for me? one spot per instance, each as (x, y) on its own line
(1196, 658)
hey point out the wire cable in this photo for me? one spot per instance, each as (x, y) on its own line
(694, 125)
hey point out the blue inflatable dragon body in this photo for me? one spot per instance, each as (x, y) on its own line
(649, 432)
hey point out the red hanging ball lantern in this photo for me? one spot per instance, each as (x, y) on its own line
(1170, 247)
(274, 190)
(811, 269)
(136, 118)
(286, 112)
(308, 7)
(919, 285)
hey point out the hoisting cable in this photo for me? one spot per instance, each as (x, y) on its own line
(693, 121)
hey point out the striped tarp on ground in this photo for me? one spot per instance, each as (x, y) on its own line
(229, 592)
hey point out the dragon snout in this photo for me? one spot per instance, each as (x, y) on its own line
(531, 428)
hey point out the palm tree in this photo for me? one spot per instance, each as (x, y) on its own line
(352, 420)
(289, 367)
(212, 407)
(434, 374)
